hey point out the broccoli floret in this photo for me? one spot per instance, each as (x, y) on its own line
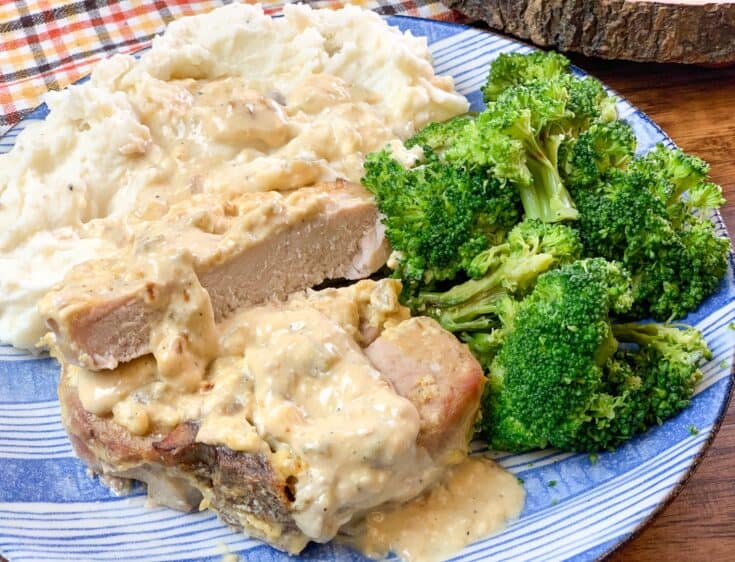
(667, 360)
(545, 375)
(690, 269)
(604, 146)
(678, 172)
(587, 96)
(511, 268)
(529, 238)
(641, 217)
(671, 174)
(441, 135)
(588, 102)
(513, 138)
(512, 69)
(616, 411)
(519, 134)
(559, 376)
(644, 383)
(437, 216)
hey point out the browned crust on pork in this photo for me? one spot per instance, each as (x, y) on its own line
(243, 488)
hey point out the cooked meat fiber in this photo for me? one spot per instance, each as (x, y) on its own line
(292, 432)
(426, 364)
(243, 251)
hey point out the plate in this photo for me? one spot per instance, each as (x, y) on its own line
(576, 509)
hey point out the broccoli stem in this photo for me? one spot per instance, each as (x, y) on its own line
(515, 274)
(608, 347)
(478, 311)
(476, 325)
(675, 340)
(546, 199)
(646, 334)
(473, 305)
(463, 293)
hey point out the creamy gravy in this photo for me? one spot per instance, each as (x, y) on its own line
(184, 341)
(473, 500)
(290, 380)
(318, 394)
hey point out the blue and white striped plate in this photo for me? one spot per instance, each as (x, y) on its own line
(51, 510)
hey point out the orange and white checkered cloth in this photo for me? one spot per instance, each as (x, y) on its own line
(48, 44)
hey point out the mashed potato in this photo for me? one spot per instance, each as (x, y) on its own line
(224, 103)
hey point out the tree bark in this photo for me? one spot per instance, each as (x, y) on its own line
(640, 30)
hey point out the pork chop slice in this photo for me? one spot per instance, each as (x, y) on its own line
(242, 251)
(430, 367)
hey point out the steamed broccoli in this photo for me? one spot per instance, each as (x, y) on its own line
(510, 268)
(536, 301)
(439, 136)
(604, 147)
(643, 385)
(546, 372)
(519, 134)
(437, 216)
(535, 105)
(513, 69)
(558, 376)
(587, 96)
(667, 358)
(639, 216)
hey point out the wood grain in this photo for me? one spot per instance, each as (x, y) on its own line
(691, 31)
(696, 107)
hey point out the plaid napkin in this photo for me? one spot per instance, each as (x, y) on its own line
(48, 44)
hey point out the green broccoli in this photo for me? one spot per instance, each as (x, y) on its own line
(559, 377)
(677, 173)
(513, 69)
(586, 160)
(538, 302)
(589, 103)
(640, 216)
(667, 359)
(510, 268)
(644, 385)
(545, 374)
(536, 104)
(518, 137)
(438, 217)
(441, 135)
(587, 97)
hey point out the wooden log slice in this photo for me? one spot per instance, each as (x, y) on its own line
(687, 31)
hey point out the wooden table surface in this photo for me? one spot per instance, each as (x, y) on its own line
(696, 107)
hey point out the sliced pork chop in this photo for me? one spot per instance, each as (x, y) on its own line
(430, 367)
(338, 432)
(243, 252)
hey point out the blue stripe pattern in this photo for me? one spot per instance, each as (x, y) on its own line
(51, 510)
